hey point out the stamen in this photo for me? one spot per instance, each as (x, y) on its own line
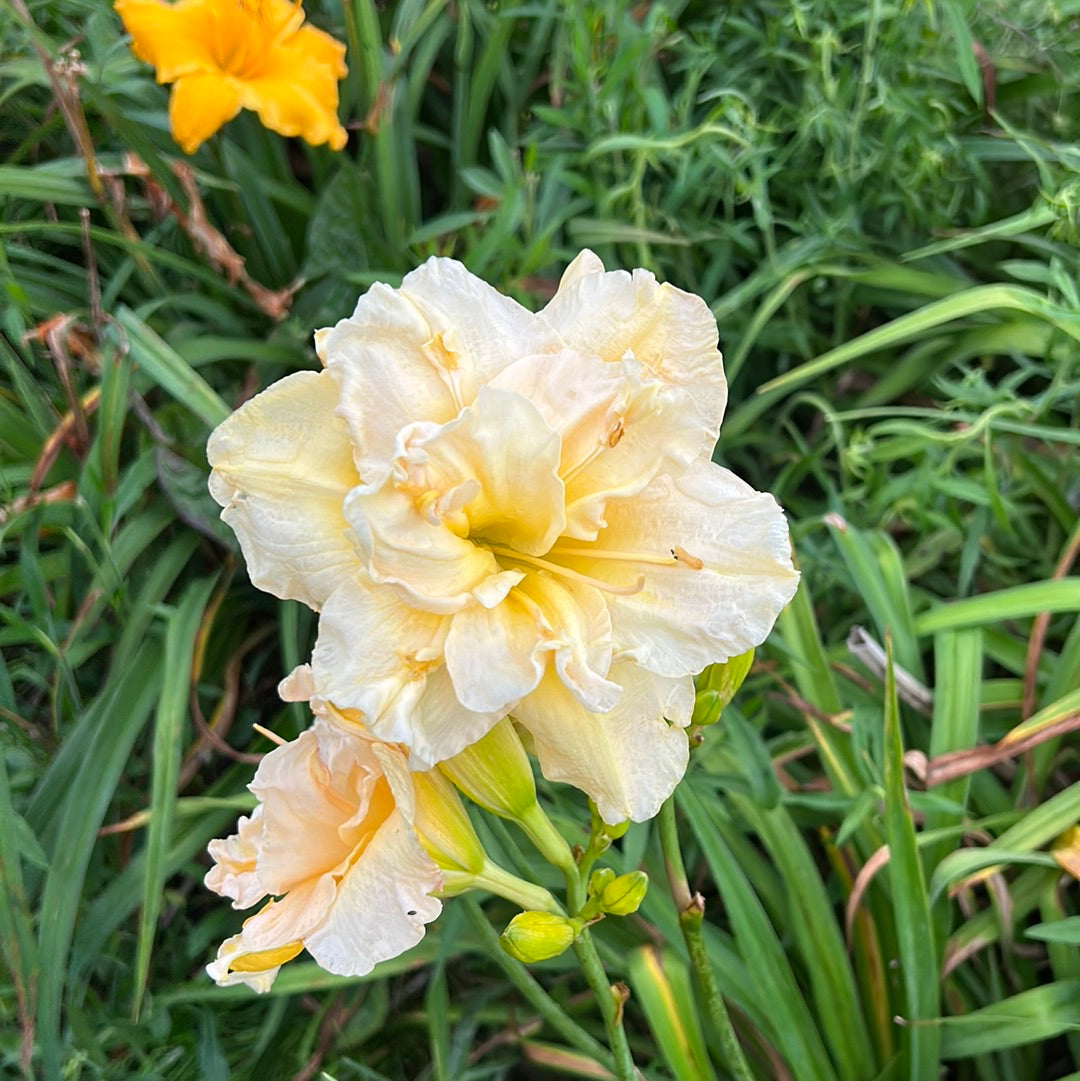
(573, 576)
(625, 557)
(273, 737)
(683, 556)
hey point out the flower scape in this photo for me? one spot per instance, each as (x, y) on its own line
(514, 535)
(226, 55)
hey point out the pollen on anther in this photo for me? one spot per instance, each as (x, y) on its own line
(681, 555)
(618, 429)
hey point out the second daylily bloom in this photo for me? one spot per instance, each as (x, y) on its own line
(499, 512)
(226, 55)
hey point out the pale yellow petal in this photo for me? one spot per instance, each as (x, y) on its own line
(199, 105)
(176, 38)
(229, 953)
(714, 562)
(496, 655)
(481, 465)
(577, 626)
(431, 567)
(480, 330)
(381, 906)
(282, 468)
(376, 655)
(670, 331)
(628, 760)
(619, 425)
(387, 379)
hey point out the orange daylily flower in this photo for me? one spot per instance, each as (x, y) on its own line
(228, 55)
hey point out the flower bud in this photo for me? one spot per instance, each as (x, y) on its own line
(624, 894)
(538, 936)
(444, 829)
(495, 772)
(599, 880)
(717, 685)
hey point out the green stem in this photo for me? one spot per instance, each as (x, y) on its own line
(528, 896)
(533, 993)
(691, 912)
(610, 1006)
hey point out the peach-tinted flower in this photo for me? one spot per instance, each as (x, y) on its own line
(226, 55)
(499, 512)
(332, 842)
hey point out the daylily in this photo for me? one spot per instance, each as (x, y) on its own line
(500, 512)
(333, 839)
(228, 55)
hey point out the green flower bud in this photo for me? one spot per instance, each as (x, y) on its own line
(599, 880)
(495, 772)
(716, 687)
(538, 936)
(624, 894)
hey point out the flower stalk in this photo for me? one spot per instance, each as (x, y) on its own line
(691, 909)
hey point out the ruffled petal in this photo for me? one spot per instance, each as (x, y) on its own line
(576, 627)
(609, 314)
(296, 91)
(619, 425)
(387, 374)
(304, 802)
(282, 468)
(231, 952)
(713, 560)
(496, 655)
(473, 472)
(377, 656)
(477, 330)
(429, 565)
(381, 906)
(199, 105)
(234, 871)
(629, 760)
(175, 38)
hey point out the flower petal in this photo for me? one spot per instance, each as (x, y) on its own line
(282, 468)
(234, 871)
(296, 91)
(480, 330)
(381, 906)
(496, 655)
(199, 105)
(629, 760)
(305, 800)
(377, 655)
(386, 378)
(609, 314)
(175, 38)
(714, 561)
(619, 425)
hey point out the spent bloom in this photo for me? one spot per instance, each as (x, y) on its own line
(501, 512)
(332, 841)
(226, 55)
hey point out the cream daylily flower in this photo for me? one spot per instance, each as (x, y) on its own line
(500, 512)
(333, 839)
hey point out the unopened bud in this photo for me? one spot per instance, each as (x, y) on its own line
(599, 880)
(538, 936)
(444, 829)
(717, 685)
(495, 772)
(624, 894)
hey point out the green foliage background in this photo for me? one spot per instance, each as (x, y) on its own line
(880, 203)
